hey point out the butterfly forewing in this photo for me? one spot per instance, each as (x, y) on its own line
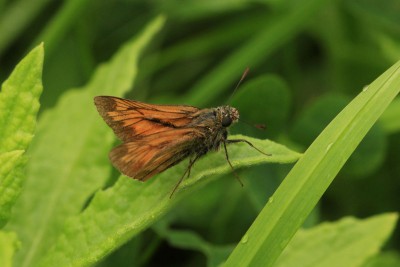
(155, 137)
(132, 120)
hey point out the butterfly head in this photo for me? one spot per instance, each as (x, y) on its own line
(228, 115)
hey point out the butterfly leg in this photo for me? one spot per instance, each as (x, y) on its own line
(191, 162)
(230, 164)
(247, 142)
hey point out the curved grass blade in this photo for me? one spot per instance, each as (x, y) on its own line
(313, 173)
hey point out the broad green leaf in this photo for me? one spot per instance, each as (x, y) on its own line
(69, 156)
(117, 214)
(19, 104)
(11, 165)
(310, 177)
(243, 155)
(348, 242)
(384, 259)
(8, 245)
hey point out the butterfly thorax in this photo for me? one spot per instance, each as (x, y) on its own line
(212, 125)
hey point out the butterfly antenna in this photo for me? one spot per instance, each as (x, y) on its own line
(258, 126)
(246, 71)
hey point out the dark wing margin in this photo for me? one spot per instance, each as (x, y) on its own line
(132, 120)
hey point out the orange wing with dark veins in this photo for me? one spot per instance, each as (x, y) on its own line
(154, 153)
(155, 137)
(131, 120)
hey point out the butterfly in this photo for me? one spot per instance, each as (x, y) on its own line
(157, 137)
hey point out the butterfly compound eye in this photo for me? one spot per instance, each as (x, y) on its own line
(226, 121)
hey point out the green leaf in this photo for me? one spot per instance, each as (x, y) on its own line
(19, 104)
(384, 259)
(117, 214)
(243, 155)
(11, 165)
(16, 18)
(190, 240)
(272, 35)
(194, 9)
(315, 118)
(8, 245)
(65, 18)
(348, 242)
(69, 156)
(390, 118)
(310, 177)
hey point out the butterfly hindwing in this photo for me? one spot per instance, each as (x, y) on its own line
(144, 158)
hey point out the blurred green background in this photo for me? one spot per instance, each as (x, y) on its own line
(307, 60)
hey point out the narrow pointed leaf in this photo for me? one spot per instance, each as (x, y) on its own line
(310, 177)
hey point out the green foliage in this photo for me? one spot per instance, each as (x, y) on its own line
(386, 259)
(8, 245)
(311, 176)
(311, 64)
(185, 239)
(348, 242)
(317, 116)
(19, 104)
(272, 97)
(389, 119)
(105, 224)
(11, 178)
(58, 188)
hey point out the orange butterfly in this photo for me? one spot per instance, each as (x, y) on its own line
(156, 137)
